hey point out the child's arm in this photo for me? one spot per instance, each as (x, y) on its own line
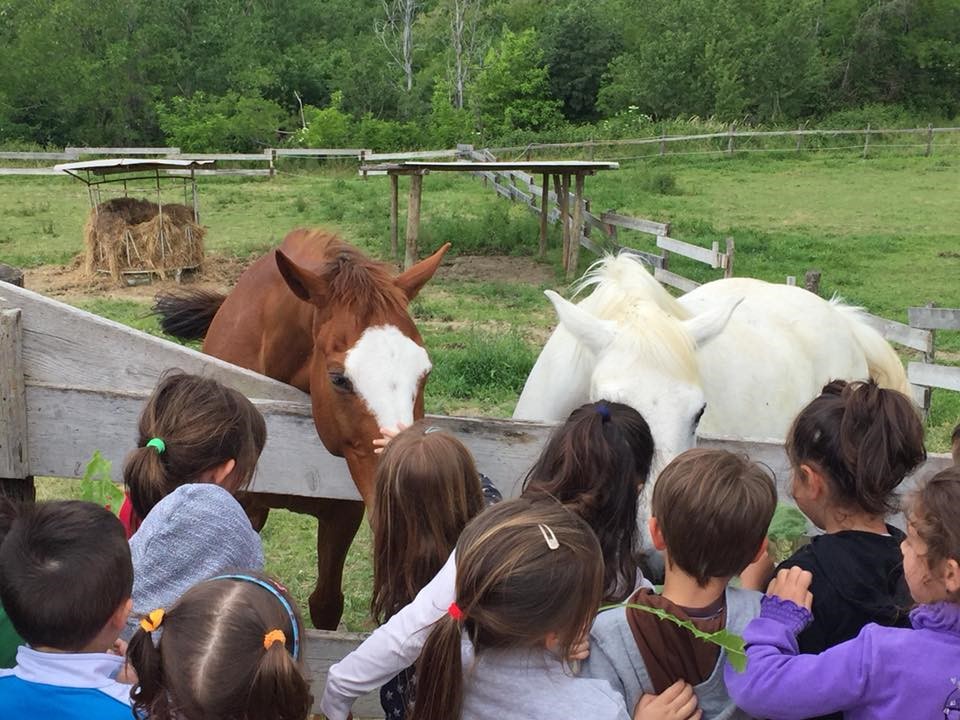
(391, 648)
(780, 684)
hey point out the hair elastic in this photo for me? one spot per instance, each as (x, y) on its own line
(432, 429)
(274, 636)
(153, 620)
(283, 601)
(455, 612)
(157, 444)
(603, 411)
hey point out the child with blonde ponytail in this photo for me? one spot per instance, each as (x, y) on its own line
(529, 580)
(231, 647)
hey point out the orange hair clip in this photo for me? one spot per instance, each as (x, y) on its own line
(153, 620)
(274, 636)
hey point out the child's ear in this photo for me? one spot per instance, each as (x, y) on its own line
(656, 534)
(119, 618)
(951, 576)
(552, 642)
(813, 484)
(219, 473)
(761, 552)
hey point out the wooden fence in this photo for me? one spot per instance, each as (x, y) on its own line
(72, 382)
(521, 187)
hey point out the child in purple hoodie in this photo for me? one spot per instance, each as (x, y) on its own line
(885, 672)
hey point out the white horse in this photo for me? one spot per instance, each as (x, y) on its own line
(736, 357)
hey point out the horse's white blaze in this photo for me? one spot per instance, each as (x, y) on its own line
(754, 352)
(385, 367)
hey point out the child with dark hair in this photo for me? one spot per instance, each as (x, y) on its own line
(65, 581)
(710, 513)
(595, 464)
(231, 647)
(529, 579)
(884, 672)
(198, 446)
(850, 449)
(427, 489)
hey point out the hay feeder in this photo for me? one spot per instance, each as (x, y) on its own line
(134, 239)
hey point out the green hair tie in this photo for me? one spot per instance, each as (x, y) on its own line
(157, 444)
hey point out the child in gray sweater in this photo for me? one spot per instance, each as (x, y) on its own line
(710, 514)
(199, 442)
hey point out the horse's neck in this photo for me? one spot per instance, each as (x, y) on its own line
(558, 382)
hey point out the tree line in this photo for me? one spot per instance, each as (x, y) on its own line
(238, 75)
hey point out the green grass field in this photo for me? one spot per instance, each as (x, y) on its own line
(885, 232)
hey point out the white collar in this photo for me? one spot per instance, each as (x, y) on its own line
(94, 671)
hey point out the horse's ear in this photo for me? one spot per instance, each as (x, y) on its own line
(412, 281)
(706, 326)
(590, 330)
(306, 285)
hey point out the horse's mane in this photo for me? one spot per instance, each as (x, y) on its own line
(363, 286)
(624, 291)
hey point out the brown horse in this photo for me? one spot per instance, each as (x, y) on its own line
(319, 315)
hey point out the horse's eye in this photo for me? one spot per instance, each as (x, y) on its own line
(341, 382)
(696, 420)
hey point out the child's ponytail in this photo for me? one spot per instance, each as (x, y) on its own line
(149, 695)
(439, 693)
(279, 688)
(146, 479)
(865, 438)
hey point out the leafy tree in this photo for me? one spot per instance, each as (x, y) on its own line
(512, 90)
(228, 122)
(326, 128)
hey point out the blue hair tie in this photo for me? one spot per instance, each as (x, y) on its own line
(279, 596)
(603, 411)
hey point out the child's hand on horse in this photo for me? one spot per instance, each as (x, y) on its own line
(677, 702)
(388, 434)
(793, 585)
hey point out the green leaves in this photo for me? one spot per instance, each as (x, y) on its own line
(731, 643)
(96, 485)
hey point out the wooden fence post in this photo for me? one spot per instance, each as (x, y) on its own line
(413, 221)
(791, 280)
(394, 214)
(799, 137)
(811, 281)
(576, 232)
(663, 143)
(544, 215)
(15, 479)
(728, 268)
(730, 139)
(866, 140)
(929, 139)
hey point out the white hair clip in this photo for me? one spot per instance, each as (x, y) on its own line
(548, 535)
(432, 429)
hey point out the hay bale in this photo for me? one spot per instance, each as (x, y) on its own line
(131, 234)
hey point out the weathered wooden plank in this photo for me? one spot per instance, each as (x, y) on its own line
(931, 318)
(66, 346)
(694, 252)
(897, 332)
(632, 223)
(322, 152)
(12, 155)
(14, 451)
(323, 648)
(674, 280)
(31, 171)
(655, 261)
(412, 155)
(123, 150)
(244, 172)
(247, 157)
(937, 376)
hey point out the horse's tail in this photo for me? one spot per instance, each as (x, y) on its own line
(187, 314)
(883, 362)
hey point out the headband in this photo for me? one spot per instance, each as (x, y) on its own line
(270, 588)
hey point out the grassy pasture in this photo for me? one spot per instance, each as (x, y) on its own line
(883, 231)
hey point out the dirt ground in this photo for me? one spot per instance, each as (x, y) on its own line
(220, 272)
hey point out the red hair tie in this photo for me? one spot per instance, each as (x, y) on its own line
(455, 612)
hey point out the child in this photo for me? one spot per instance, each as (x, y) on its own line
(711, 510)
(231, 647)
(427, 489)
(884, 672)
(529, 579)
(850, 448)
(65, 581)
(199, 444)
(955, 445)
(595, 464)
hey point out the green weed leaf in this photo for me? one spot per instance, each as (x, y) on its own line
(96, 486)
(730, 642)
